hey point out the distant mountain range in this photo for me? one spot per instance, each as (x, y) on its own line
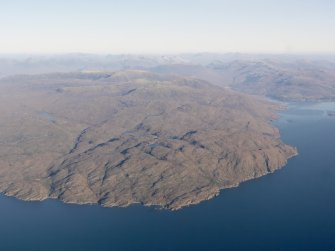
(283, 77)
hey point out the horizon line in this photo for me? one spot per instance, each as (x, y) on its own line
(331, 53)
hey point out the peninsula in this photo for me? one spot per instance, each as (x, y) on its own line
(122, 137)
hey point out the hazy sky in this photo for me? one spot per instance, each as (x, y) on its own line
(155, 26)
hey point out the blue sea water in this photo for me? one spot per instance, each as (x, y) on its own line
(292, 209)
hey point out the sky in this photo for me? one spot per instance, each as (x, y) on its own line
(173, 26)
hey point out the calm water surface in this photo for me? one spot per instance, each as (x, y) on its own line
(292, 209)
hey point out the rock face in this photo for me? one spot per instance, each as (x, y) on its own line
(131, 137)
